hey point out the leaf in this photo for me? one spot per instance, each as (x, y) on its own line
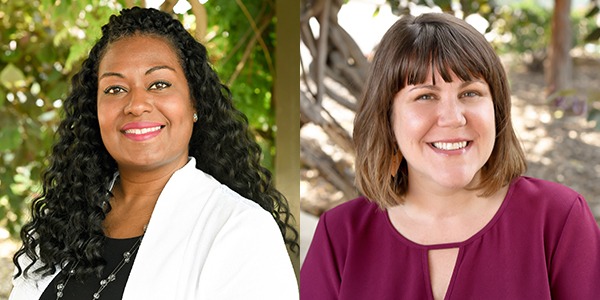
(594, 11)
(12, 77)
(78, 51)
(561, 93)
(58, 91)
(2, 98)
(594, 115)
(376, 12)
(3, 211)
(593, 36)
(445, 5)
(10, 138)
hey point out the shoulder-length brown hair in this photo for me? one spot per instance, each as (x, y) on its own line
(411, 48)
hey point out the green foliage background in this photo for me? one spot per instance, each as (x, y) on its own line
(42, 44)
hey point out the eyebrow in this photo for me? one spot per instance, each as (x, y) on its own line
(437, 88)
(156, 68)
(108, 74)
(153, 69)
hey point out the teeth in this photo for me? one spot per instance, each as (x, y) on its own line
(143, 130)
(450, 146)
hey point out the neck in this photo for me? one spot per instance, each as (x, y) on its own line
(431, 218)
(440, 202)
(135, 184)
(131, 188)
(439, 207)
(134, 196)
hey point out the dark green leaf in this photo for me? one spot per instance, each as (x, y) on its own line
(594, 11)
(10, 138)
(2, 97)
(594, 115)
(593, 36)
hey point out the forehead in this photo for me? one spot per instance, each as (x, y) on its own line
(437, 77)
(138, 51)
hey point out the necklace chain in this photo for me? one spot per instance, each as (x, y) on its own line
(110, 278)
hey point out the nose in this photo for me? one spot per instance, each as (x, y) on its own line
(451, 113)
(139, 102)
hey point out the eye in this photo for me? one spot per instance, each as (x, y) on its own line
(113, 90)
(470, 94)
(159, 85)
(425, 97)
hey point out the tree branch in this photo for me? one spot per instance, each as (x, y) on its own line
(240, 66)
(199, 12)
(168, 5)
(257, 34)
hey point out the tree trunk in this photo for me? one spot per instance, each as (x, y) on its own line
(287, 111)
(560, 67)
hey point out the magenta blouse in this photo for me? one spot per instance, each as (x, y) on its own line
(543, 243)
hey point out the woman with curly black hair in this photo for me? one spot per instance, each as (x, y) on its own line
(154, 188)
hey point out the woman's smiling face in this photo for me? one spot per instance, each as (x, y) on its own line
(445, 131)
(144, 108)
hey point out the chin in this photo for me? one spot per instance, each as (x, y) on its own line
(458, 181)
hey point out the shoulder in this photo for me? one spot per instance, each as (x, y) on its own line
(247, 243)
(203, 187)
(233, 211)
(360, 207)
(230, 201)
(200, 202)
(542, 188)
(354, 210)
(548, 196)
(544, 206)
(352, 217)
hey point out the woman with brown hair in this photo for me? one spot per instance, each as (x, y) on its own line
(446, 212)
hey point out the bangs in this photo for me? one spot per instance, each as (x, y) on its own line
(443, 50)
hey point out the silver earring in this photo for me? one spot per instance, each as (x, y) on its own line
(195, 117)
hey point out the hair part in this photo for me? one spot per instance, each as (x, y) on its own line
(410, 51)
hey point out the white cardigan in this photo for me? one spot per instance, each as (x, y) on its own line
(204, 241)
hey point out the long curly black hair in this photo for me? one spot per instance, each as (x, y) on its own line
(66, 225)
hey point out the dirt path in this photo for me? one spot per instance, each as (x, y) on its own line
(7, 248)
(565, 150)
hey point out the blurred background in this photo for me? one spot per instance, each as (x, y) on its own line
(554, 75)
(550, 49)
(43, 42)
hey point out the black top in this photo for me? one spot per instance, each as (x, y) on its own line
(112, 252)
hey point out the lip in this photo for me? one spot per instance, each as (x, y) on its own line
(451, 141)
(141, 131)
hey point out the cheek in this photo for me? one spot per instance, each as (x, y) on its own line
(409, 124)
(180, 111)
(107, 121)
(103, 118)
(487, 118)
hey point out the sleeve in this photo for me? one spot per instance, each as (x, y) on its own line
(32, 286)
(320, 275)
(248, 260)
(575, 265)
